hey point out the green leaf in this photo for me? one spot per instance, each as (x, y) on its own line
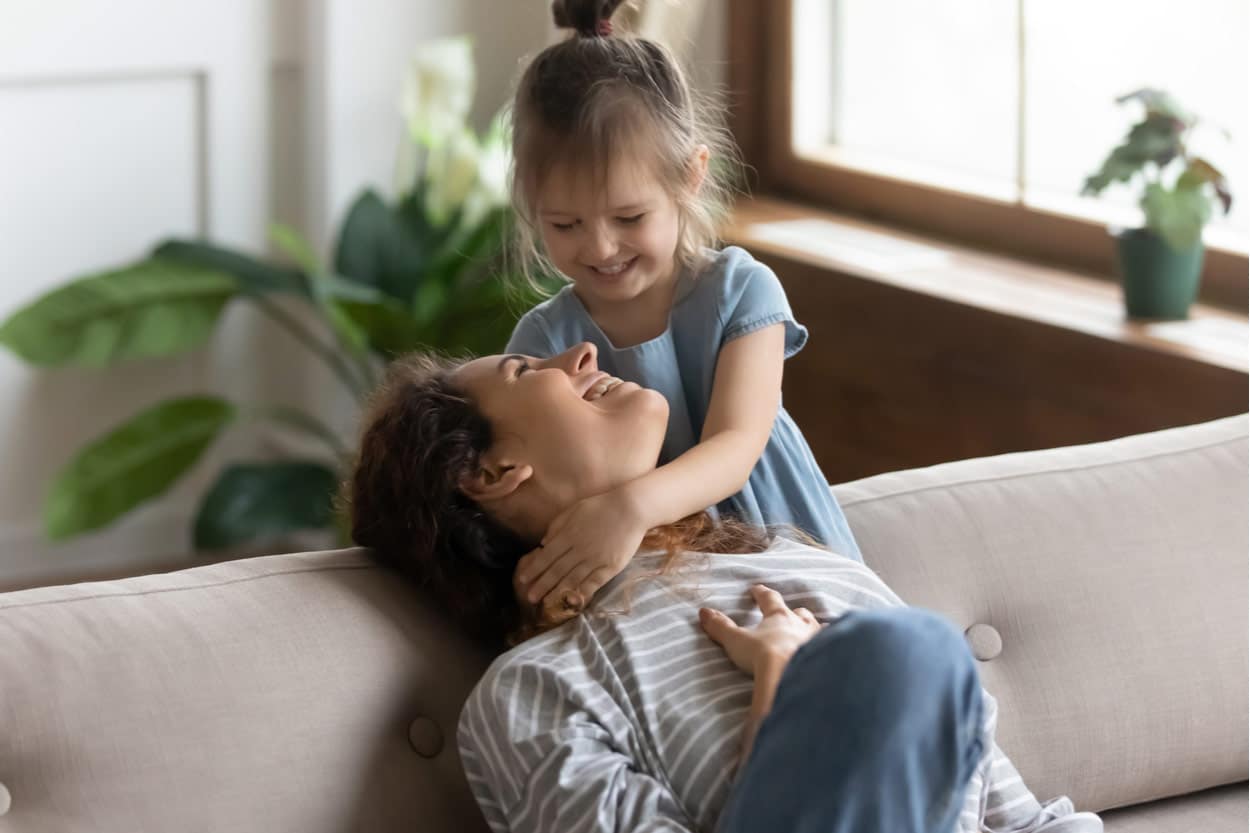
(1176, 215)
(157, 307)
(254, 275)
(384, 248)
(297, 248)
(136, 461)
(1200, 172)
(1156, 102)
(389, 326)
(256, 501)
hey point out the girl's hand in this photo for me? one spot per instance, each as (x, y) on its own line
(585, 547)
(768, 645)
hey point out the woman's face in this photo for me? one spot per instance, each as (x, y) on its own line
(581, 431)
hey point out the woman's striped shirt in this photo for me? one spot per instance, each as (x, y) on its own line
(629, 717)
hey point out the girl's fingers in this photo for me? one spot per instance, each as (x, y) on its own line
(769, 600)
(542, 584)
(574, 580)
(593, 582)
(536, 562)
(806, 615)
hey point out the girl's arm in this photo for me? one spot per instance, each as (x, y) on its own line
(594, 539)
(746, 394)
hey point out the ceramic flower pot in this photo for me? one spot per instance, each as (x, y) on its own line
(1159, 282)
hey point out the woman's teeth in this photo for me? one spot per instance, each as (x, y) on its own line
(600, 389)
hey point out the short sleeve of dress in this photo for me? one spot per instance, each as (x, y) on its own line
(752, 298)
(530, 337)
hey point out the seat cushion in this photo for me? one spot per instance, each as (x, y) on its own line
(1222, 810)
(1108, 587)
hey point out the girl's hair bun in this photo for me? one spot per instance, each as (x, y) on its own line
(589, 18)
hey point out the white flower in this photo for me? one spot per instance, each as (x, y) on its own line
(452, 174)
(494, 164)
(438, 90)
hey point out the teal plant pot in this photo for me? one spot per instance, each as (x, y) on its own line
(1159, 282)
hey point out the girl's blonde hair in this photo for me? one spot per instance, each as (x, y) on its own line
(598, 97)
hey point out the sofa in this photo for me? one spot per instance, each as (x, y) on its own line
(1102, 588)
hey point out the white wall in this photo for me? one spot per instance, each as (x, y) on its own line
(125, 122)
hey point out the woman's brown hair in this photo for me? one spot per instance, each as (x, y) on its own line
(597, 97)
(420, 435)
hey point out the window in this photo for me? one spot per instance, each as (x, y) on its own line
(981, 118)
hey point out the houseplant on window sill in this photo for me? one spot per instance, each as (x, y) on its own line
(419, 270)
(1161, 263)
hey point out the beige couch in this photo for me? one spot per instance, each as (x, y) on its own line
(1104, 588)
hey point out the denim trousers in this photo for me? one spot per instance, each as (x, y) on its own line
(875, 728)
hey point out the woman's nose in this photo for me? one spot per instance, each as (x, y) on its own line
(577, 359)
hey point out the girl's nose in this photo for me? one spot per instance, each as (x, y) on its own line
(578, 359)
(600, 246)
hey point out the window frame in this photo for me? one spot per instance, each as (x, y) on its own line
(759, 80)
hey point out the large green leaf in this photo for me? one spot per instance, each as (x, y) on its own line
(384, 248)
(389, 326)
(254, 275)
(255, 501)
(156, 307)
(132, 463)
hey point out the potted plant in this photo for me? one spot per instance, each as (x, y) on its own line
(1160, 264)
(417, 270)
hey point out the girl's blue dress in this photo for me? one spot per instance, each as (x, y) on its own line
(731, 295)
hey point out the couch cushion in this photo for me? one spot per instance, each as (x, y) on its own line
(306, 692)
(1115, 577)
(1221, 810)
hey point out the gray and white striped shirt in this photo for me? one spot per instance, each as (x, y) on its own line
(629, 717)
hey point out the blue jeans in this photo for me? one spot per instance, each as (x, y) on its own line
(875, 728)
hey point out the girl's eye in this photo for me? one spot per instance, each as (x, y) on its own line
(562, 226)
(629, 221)
(522, 367)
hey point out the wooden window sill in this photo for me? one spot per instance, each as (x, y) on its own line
(1080, 303)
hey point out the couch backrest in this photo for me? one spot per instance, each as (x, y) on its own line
(309, 693)
(315, 693)
(1106, 588)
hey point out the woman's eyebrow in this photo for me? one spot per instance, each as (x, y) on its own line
(506, 359)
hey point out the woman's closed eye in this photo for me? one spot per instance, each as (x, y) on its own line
(522, 366)
(629, 221)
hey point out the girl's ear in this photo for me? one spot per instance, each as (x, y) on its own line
(698, 168)
(494, 480)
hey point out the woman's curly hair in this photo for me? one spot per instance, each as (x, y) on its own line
(420, 437)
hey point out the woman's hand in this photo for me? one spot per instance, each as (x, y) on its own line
(585, 547)
(772, 642)
(762, 651)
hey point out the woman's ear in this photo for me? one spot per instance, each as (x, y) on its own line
(698, 168)
(494, 480)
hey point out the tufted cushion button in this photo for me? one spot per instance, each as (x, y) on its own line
(425, 736)
(985, 642)
(6, 800)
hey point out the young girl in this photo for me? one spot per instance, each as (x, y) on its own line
(613, 189)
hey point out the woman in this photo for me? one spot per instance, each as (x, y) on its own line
(687, 695)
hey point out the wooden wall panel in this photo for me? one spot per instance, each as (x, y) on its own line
(893, 379)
